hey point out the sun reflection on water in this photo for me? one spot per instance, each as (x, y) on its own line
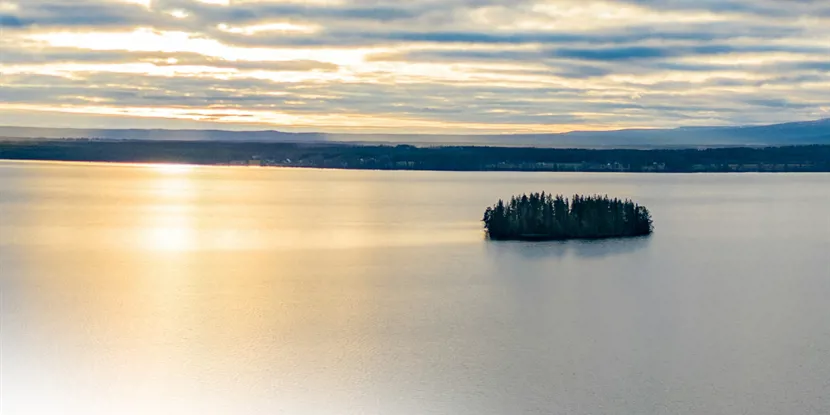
(174, 239)
(172, 168)
(169, 224)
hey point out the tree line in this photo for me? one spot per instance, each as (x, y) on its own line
(543, 216)
(814, 158)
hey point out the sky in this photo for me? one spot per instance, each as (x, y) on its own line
(414, 66)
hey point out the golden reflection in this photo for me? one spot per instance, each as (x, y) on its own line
(172, 168)
(175, 238)
(170, 218)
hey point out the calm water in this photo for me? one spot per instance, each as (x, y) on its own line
(149, 290)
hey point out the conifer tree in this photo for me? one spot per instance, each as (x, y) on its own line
(544, 216)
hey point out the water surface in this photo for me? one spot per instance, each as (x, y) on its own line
(209, 290)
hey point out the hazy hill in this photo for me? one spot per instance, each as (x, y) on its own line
(796, 133)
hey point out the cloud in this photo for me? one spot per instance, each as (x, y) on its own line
(421, 65)
(763, 8)
(614, 54)
(657, 52)
(81, 14)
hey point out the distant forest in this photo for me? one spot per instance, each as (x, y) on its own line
(811, 158)
(541, 216)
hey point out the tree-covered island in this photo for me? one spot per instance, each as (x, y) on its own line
(543, 217)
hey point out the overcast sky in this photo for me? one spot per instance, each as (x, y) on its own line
(432, 66)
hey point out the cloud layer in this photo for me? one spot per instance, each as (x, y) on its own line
(447, 66)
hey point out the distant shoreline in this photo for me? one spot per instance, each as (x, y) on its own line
(275, 167)
(785, 134)
(787, 159)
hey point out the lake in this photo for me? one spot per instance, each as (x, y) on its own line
(216, 290)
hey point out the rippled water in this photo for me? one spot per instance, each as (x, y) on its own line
(209, 290)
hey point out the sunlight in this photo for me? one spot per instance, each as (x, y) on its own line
(303, 2)
(144, 68)
(150, 40)
(175, 238)
(172, 168)
(169, 226)
(269, 27)
(179, 13)
(299, 121)
(145, 3)
(216, 2)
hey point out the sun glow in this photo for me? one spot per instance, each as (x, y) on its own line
(172, 168)
(150, 40)
(169, 225)
(179, 13)
(145, 3)
(305, 121)
(269, 27)
(216, 2)
(176, 238)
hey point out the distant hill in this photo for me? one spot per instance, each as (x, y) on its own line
(796, 133)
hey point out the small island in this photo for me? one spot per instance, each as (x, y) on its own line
(544, 217)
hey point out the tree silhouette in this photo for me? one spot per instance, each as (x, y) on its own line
(541, 216)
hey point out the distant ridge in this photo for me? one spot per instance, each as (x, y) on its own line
(794, 133)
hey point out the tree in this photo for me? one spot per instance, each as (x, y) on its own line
(542, 216)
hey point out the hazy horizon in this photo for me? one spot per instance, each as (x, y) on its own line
(238, 128)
